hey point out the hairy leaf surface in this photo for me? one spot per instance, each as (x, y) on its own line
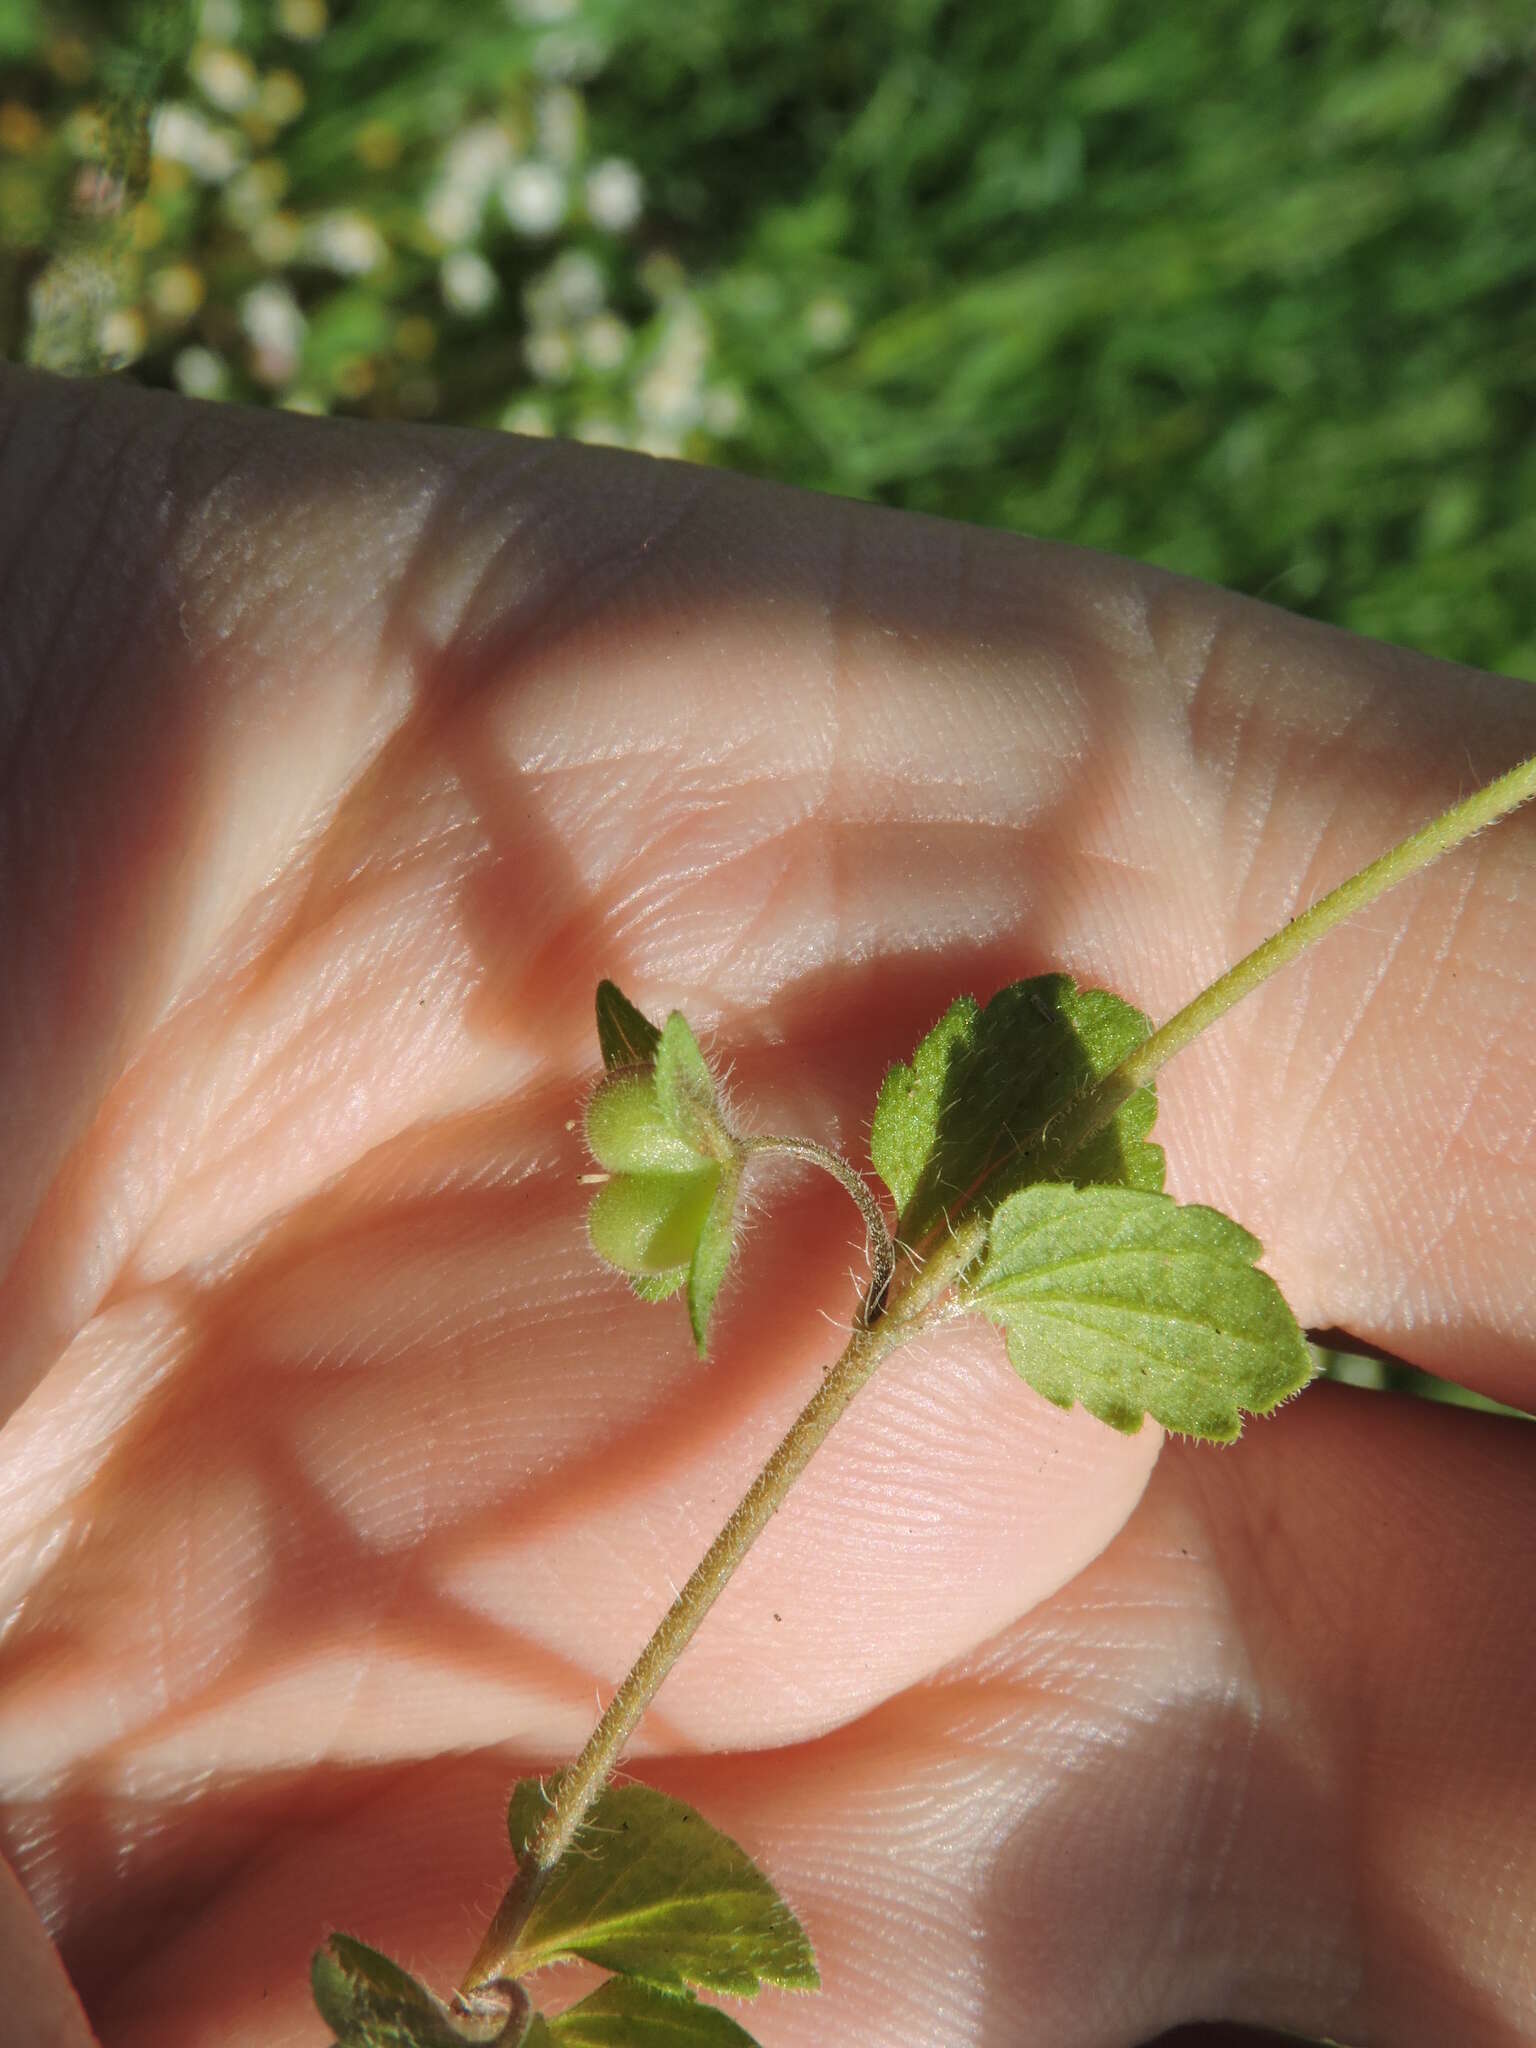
(626, 2013)
(368, 2001)
(959, 1127)
(653, 1891)
(1136, 1305)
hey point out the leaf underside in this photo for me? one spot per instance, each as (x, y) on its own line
(625, 1037)
(653, 1891)
(1137, 1305)
(958, 1128)
(625, 2013)
(368, 2001)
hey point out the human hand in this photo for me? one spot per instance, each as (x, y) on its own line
(340, 1481)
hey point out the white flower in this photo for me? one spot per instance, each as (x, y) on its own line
(533, 197)
(122, 334)
(348, 242)
(219, 20)
(181, 135)
(452, 212)
(828, 321)
(270, 315)
(574, 284)
(476, 155)
(226, 78)
(199, 373)
(570, 53)
(466, 281)
(723, 410)
(604, 342)
(540, 13)
(614, 195)
(548, 353)
(559, 123)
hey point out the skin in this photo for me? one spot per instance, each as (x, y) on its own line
(338, 1481)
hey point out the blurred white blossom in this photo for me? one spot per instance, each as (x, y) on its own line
(270, 315)
(218, 21)
(559, 122)
(467, 281)
(572, 288)
(122, 334)
(549, 354)
(347, 242)
(199, 373)
(723, 410)
(540, 13)
(183, 136)
(226, 78)
(599, 431)
(533, 197)
(828, 321)
(604, 342)
(614, 195)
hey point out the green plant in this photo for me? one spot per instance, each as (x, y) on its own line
(1015, 1147)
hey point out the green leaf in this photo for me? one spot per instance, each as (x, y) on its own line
(370, 2002)
(1135, 1306)
(652, 1891)
(685, 1092)
(625, 2013)
(667, 1216)
(625, 1037)
(958, 1128)
(712, 1254)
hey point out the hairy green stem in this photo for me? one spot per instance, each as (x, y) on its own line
(918, 1298)
(1098, 1104)
(882, 1253)
(577, 1787)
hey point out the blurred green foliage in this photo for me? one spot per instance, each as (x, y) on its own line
(1248, 290)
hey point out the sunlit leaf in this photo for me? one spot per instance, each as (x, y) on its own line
(1135, 1306)
(626, 2013)
(958, 1127)
(625, 1037)
(653, 1891)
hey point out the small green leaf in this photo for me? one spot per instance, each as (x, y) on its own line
(959, 1127)
(652, 1891)
(667, 1216)
(685, 1091)
(370, 2002)
(624, 1036)
(1135, 1306)
(626, 2013)
(712, 1254)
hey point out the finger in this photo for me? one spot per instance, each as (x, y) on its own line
(41, 2006)
(1267, 1758)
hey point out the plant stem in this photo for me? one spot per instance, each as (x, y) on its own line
(1098, 1104)
(577, 1787)
(882, 1253)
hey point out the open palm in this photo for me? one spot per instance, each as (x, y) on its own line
(340, 1482)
